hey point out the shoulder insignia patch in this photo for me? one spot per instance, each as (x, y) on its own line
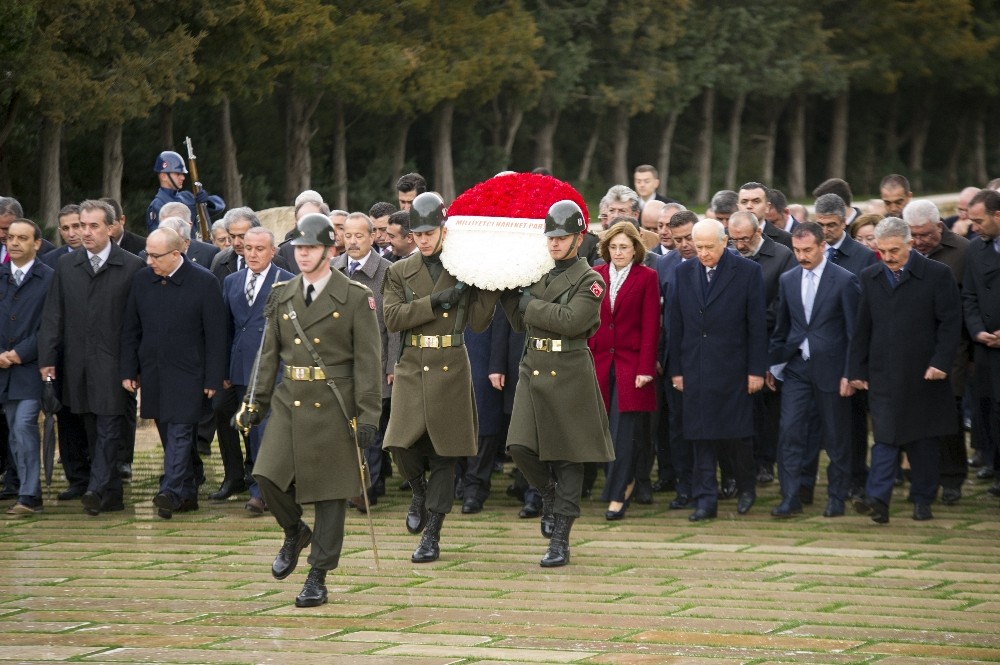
(371, 302)
(596, 289)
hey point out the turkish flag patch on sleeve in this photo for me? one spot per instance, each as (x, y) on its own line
(596, 289)
(371, 302)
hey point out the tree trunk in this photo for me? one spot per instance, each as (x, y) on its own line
(892, 138)
(48, 166)
(340, 157)
(836, 162)
(232, 190)
(298, 134)
(735, 129)
(444, 168)
(166, 127)
(113, 162)
(399, 149)
(921, 128)
(666, 146)
(544, 139)
(587, 162)
(774, 111)
(979, 150)
(703, 157)
(958, 149)
(797, 150)
(619, 151)
(513, 125)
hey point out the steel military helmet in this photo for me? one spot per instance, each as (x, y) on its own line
(169, 161)
(313, 229)
(427, 213)
(564, 219)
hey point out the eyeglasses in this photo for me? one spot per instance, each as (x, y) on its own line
(741, 241)
(157, 257)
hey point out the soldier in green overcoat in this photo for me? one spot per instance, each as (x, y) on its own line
(559, 420)
(308, 452)
(433, 416)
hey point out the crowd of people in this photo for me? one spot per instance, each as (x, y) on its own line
(725, 352)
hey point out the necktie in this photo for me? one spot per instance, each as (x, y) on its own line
(808, 299)
(354, 265)
(309, 294)
(830, 252)
(240, 265)
(18, 276)
(996, 246)
(95, 263)
(710, 274)
(250, 287)
(898, 275)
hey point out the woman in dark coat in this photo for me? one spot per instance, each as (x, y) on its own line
(624, 349)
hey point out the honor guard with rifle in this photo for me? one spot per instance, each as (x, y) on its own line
(171, 172)
(559, 420)
(323, 335)
(433, 416)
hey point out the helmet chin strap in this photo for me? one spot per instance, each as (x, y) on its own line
(170, 177)
(572, 246)
(440, 241)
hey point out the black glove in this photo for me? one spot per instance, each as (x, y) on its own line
(201, 196)
(526, 297)
(366, 434)
(446, 299)
(246, 417)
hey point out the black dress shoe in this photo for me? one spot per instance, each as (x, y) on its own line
(112, 504)
(429, 549)
(615, 515)
(834, 508)
(680, 502)
(255, 507)
(416, 514)
(922, 512)
(994, 489)
(728, 490)
(787, 508)
(951, 495)
(529, 510)
(745, 503)
(856, 491)
(806, 494)
(125, 472)
(878, 511)
(664, 485)
(11, 494)
(166, 504)
(91, 503)
(227, 489)
(313, 592)
(764, 474)
(187, 506)
(643, 493)
(976, 460)
(985, 473)
(471, 507)
(70, 494)
(288, 556)
(702, 514)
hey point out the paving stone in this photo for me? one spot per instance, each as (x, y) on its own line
(932, 651)
(382, 637)
(521, 630)
(745, 641)
(939, 637)
(238, 657)
(508, 655)
(41, 652)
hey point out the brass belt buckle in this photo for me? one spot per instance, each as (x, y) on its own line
(302, 373)
(556, 345)
(541, 344)
(429, 341)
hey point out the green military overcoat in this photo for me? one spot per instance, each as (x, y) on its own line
(307, 440)
(432, 388)
(558, 409)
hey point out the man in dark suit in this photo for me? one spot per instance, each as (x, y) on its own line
(362, 263)
(81, 326)
(753, 197)
(778, 213)
(663, 228)
(931, 238)
(174, 337)
(10, 209)
(245, 292)
(236, 478)
(195, 250)
(121, 236)
(69, 232)
(647, 180)
(981, 299)
(24, 281)
(745, 233)
(843, 250)
(908, 328)
(718, 359)
(816, 311)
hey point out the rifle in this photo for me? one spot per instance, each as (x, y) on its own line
(204, 221)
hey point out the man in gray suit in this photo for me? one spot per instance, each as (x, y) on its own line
(363, 264)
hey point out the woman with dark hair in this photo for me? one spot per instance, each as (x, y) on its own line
(624, 349)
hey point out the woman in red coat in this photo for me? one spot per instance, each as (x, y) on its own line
(624, 349)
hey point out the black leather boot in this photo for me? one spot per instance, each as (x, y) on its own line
(548, 500)
(558, 554)
(314, 590)
(428, 549)
(416, 516)
(288, 556)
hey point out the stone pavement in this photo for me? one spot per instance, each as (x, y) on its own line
(653, 588)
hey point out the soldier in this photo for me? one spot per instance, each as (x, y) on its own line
(171, 172)
(559, 421)
(433, 414)
(321, 326)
